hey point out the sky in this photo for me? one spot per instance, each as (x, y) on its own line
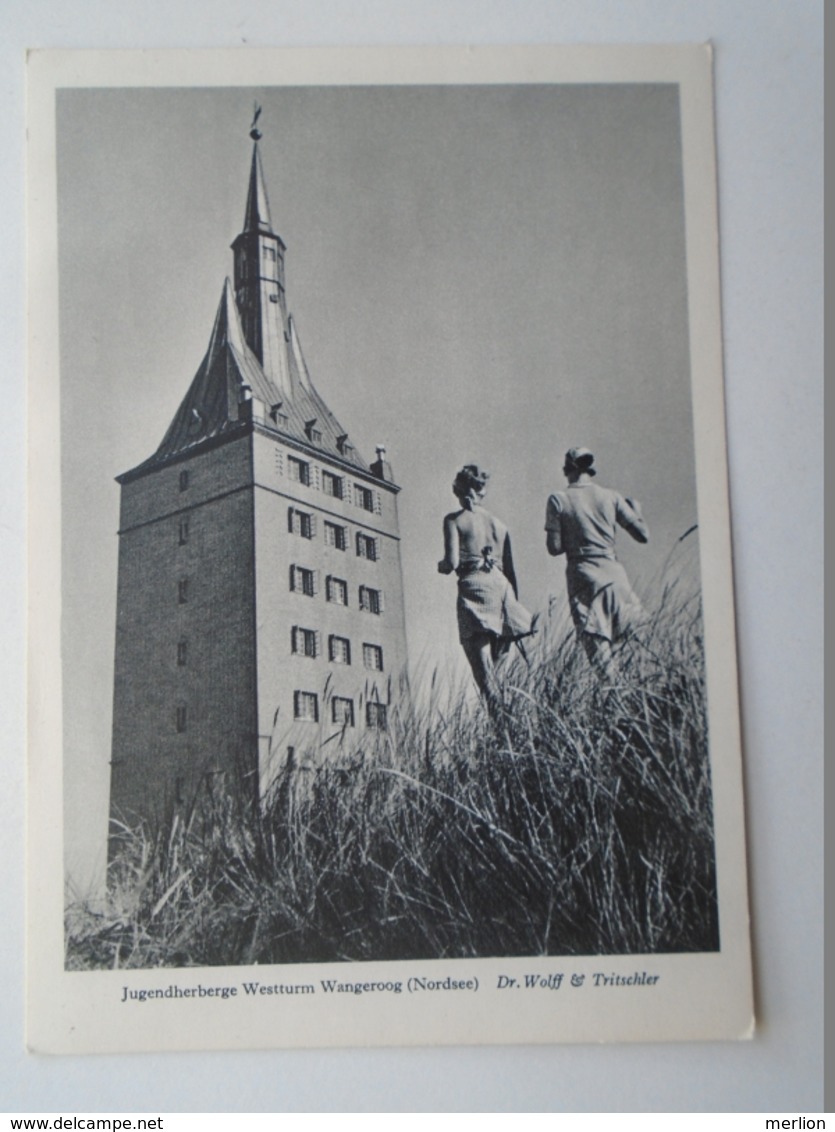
(477, 274)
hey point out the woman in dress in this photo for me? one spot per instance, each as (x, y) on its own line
(581, 524)
(477, 549)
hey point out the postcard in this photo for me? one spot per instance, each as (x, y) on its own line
(382, 664)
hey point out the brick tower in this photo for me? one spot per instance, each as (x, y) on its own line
(260, 596)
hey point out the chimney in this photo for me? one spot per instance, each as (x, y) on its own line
(381, 468)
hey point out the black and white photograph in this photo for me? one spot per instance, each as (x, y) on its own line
(396, 636)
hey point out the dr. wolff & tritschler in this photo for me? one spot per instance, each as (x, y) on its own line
(554, 980)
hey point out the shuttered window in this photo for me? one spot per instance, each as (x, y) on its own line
(376, 716)
(372, 657)
(301, 523)
(336, 590)
(306, 706)
(343, 711)
(363, 497)
(367, 547)
(332, 485)
(339, 649)
(371, 601)
(335, 535)
(304, 642)
(298, 470)
(303, 581)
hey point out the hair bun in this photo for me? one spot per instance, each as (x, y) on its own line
(470, 479)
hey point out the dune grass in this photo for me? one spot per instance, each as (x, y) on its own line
(575, 820)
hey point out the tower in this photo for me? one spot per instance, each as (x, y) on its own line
(260, 595)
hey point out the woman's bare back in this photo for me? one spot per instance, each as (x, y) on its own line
(468, 533)
(478, 529)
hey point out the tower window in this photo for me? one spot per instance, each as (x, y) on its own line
(343, 710)
(371, 601)
(273, 297)
(298, 470)
(339, 650)
(336, 536)
(367, 547)
(183, 531)
(332, 485)
(182, 591)
(304, 642)
(182, 653)
(336, 590)
(372, 657)
(269, 253)
(184, 480)
(182, 718)
(301, 523)
(363, 497)
(303, 581)
(306, 706)
(376, 716)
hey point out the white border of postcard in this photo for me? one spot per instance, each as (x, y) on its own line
(616, 998)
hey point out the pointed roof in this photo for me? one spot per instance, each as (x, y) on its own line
(210, 407)
(231, 372)
(209, 410)
(257, 215)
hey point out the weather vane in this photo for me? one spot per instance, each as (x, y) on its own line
(254, 132)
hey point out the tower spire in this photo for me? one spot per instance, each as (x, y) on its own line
(257, 215)
(259, 276)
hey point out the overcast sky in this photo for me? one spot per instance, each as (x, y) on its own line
(486, 274)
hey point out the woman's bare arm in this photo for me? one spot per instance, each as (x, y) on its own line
(449, 562)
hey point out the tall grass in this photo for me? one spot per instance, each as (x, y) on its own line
(575, 819)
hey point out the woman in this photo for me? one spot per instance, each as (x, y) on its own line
(477, 549)
(581, 524)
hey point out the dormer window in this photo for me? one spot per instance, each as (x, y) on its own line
(344, 445)
(281, 419)
(313, 433)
